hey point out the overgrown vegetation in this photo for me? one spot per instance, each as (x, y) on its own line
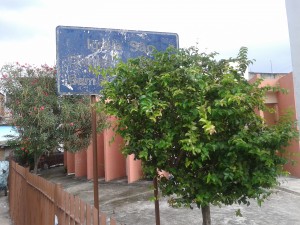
(43, 119)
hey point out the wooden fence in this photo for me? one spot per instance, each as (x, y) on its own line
(36, 201)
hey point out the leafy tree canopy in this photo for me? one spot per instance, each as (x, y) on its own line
(44, 119)
(194, 116)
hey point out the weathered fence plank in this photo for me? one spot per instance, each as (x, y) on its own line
(35, 201)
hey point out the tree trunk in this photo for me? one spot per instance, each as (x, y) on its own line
(36, 163)
(206, 215)
(156, 202)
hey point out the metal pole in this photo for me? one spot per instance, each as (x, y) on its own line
(95, 164)
(156, 202)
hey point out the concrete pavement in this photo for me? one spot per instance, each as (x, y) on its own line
(4, 210)
(290, 184)
(129, 203)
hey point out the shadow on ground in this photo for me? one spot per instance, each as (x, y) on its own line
(130, 204)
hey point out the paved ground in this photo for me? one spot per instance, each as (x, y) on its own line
(129, 204)
(4, 214)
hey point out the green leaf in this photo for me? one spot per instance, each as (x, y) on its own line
(238, 213)
(193, 115)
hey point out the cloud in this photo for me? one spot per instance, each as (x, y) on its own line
(27, 27)
(12, 31)
(271, 59)
(17, 4)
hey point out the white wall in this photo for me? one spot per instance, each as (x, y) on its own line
(293, 15)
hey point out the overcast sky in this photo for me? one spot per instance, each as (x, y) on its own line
(27, 27)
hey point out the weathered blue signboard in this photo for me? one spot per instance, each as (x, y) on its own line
(79, 48)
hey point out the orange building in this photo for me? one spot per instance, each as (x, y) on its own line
(112, 164)
(281, 103)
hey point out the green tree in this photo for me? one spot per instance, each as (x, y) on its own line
(194, 116)
(44, 119)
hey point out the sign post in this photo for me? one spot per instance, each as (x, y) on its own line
(95, 157)
(78, 48)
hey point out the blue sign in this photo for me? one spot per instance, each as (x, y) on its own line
(79, 48)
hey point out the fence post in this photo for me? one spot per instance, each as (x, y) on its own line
(95, 216)
(25, 206)
(102, 219)
(113, 221)
(27, 198)
(11, 188)
(57, 188)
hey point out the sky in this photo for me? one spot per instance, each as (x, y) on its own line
(27, 27)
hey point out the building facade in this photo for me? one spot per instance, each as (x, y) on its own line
(111, 163)
(281, 103)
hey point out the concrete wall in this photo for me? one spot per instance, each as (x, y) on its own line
(293, 12)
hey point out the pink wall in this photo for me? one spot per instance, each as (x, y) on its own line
(270, 117)
(100, 156)
(115, 162)
(286, 101)
(270, 82)
(293, 167)
(81, 163)
(70, 162)
(89, 159)
(113, 165)
(134, 169)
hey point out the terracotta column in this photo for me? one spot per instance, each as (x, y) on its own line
(70, 162)
(81, 163)
(100, 160)
(100, 154)
(115, 162)
(134, 169)
(89, 160)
